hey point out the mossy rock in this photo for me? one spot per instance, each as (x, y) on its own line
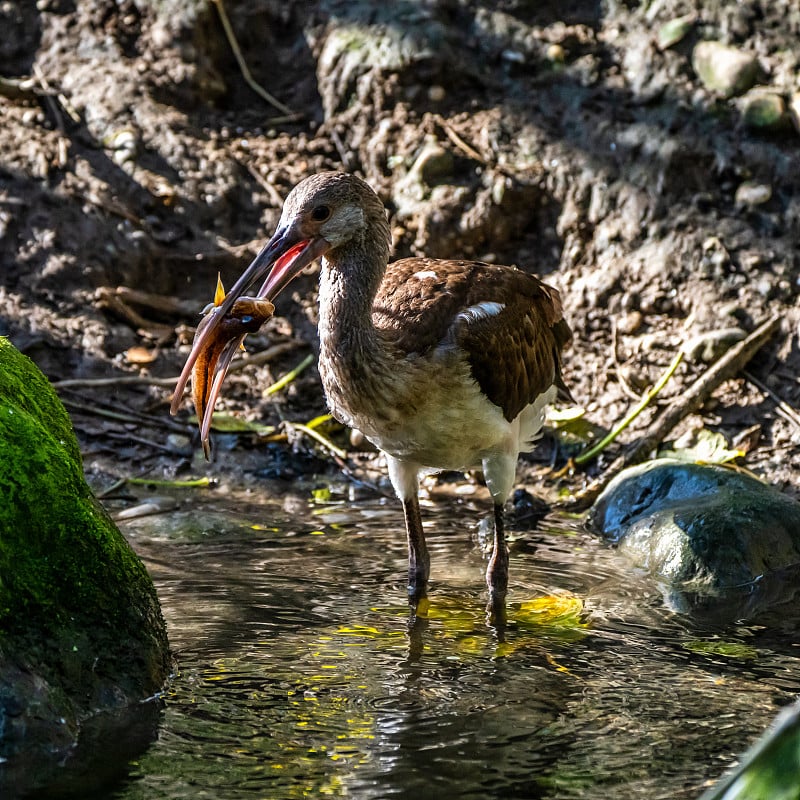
(715, 539)
(81, 630)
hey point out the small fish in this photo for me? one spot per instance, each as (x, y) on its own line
(246, 315)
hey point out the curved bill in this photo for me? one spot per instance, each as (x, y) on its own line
(280, 260)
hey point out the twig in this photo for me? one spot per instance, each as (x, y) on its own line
(692, 399)
(19, 88)
(256, 87)
(101, 383)
(277, 200)
(588, 455)
(784, 409)
(320, 439)
(459, 142)
(60, 96)
(265, 356)
(130, 417)
(147, 380)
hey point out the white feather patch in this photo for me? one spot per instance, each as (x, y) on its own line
(481, 311)
(424, 273)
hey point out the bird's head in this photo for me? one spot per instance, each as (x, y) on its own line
(322, 213)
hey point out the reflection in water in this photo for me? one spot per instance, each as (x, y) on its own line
(299, 675)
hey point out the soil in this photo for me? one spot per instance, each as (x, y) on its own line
(137, 162)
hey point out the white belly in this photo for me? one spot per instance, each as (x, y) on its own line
(433, 413)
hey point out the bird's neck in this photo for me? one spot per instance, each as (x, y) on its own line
(349, 281)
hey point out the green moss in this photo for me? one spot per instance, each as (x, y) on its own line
(75, 599)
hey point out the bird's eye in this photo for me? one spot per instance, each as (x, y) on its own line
(320, 213)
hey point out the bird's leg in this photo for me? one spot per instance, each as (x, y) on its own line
(405, 479)
(419, 563)
(497, 571)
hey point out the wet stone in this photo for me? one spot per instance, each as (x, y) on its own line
(704, 532)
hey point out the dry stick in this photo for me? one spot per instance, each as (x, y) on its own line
(251, 82)
(145, 380)
(691, 400)
(783, 408)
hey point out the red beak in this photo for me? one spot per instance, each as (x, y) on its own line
(281, 260)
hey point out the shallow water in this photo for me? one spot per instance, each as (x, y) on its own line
(298, 675)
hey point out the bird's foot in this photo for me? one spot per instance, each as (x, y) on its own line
(418, 599)
(496, 612)
(497, 583)
(418, 572)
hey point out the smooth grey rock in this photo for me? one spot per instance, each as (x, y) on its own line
(725, 69)
(703, 530)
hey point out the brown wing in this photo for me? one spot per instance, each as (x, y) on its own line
(514, 354)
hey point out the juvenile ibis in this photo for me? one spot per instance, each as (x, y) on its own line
(441, 364)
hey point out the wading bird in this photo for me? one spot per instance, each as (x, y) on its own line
(441, 364)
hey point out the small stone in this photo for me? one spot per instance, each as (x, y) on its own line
(764, 110)
(725, 69)
(750, 193)
(555, 54)
(437, 93)
(672, 32)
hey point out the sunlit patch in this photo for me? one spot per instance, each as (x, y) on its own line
(702, 447)
(717, 647)
(559, 611)
(327, 720)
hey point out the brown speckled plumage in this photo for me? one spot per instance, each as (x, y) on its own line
(514, 356)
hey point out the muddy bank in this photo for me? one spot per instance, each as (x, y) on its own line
(581, 141)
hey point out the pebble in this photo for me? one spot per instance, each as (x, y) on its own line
(723, 69)
(437, 93)
(630, 322)
(556, 54)
(751, 193)
(764, 110)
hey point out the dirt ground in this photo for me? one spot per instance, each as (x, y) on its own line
(570, 139)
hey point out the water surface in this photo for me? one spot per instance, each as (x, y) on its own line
(298, 675)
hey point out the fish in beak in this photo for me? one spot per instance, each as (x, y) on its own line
(232, 316)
